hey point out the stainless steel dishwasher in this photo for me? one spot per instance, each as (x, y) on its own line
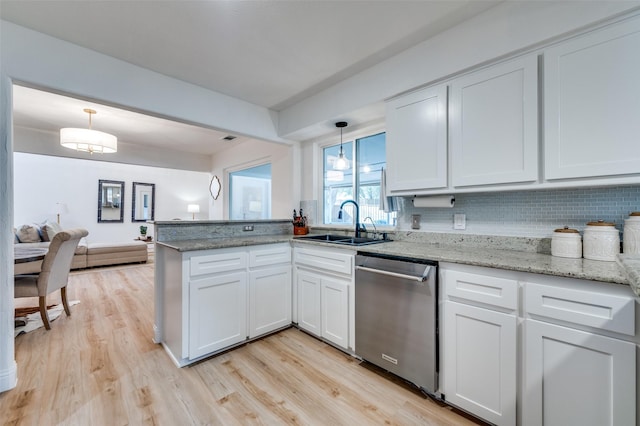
(396, 312)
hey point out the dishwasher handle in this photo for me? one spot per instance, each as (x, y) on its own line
(420, 279)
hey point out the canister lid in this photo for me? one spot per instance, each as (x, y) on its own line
(566, 230)
(600, 223)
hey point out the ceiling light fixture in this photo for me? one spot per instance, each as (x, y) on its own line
(341, 163)
(88, 140)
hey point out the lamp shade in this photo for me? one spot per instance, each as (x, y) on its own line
(193, 208)
(341, 163)
(60, 208)
(88, 140)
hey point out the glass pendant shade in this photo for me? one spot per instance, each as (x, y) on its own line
(342, 163)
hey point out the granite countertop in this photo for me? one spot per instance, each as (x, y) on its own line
(626, 271)
(225, 242)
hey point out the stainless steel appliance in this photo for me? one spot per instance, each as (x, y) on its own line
(396, 312)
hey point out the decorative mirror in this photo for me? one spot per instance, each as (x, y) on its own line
(143, 201)
(215, 187)
(110, 201)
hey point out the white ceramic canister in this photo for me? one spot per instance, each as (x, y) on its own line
(566, 242)
(601, 241)
(631, 234)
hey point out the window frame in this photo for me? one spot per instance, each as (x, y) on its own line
(227, 171)
(318, 185)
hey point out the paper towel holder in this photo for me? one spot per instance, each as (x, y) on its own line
(446, 201)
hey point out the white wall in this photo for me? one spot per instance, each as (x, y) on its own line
(38, 60)
(501, 30)
(40, 181)
(250, 154)
(48, 143)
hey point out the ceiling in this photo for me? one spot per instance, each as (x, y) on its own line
(46, 111)
(270, 53)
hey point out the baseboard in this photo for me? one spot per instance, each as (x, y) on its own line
(9, 377)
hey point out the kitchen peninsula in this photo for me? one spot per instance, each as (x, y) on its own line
(515, 295)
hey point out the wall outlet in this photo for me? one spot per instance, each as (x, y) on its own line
(248, 228)
(459, 221)
(415, 221)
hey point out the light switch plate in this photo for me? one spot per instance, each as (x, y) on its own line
(459, 221)
(415, 221)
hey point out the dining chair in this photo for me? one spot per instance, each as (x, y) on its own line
(54, 274)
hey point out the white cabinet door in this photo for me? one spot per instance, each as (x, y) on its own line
(576, 378)
(309, 314)
(493, 118)
(217, 312)
(480, 362)
(591, 114)
(335, 311)
(417, 140)
(269, 299)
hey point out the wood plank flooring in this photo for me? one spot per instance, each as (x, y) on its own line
(100, 367)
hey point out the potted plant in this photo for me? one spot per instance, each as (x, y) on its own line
(143, 232)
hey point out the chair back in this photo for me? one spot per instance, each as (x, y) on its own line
(56, 265)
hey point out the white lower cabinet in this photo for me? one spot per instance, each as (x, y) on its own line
(481, 362)
(214, 299)
(217, 313)
(529, 349)
(579, 354)
(577, 378)
(269, 299)
(479, 344)
(323, 306)
(309, 293)
(335, 311)
(324, 282)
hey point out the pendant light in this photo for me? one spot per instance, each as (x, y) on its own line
(88, 140)
(341, 163)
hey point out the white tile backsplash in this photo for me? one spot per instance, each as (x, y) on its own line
(526, 213)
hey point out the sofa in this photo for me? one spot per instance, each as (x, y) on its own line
(86, 255)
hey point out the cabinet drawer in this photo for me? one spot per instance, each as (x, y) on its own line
(588, 308)
(331, 260)
(270, 255)
(485, 289)
(218, 262)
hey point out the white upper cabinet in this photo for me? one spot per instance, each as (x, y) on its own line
(592, 104)
(493, 119)
(417, 140)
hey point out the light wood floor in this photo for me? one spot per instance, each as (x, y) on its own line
(100, 367)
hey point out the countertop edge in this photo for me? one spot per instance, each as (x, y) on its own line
(626, 271)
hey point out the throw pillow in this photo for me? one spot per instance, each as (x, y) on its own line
(49, 229)
(28, 234)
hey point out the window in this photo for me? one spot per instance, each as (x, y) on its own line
(340, 185)
(250, 193)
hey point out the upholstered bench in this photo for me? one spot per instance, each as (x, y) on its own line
(100, 254)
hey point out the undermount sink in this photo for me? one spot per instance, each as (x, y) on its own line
(342, 239)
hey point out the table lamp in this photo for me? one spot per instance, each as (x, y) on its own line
(60, 208)
(193, 209)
